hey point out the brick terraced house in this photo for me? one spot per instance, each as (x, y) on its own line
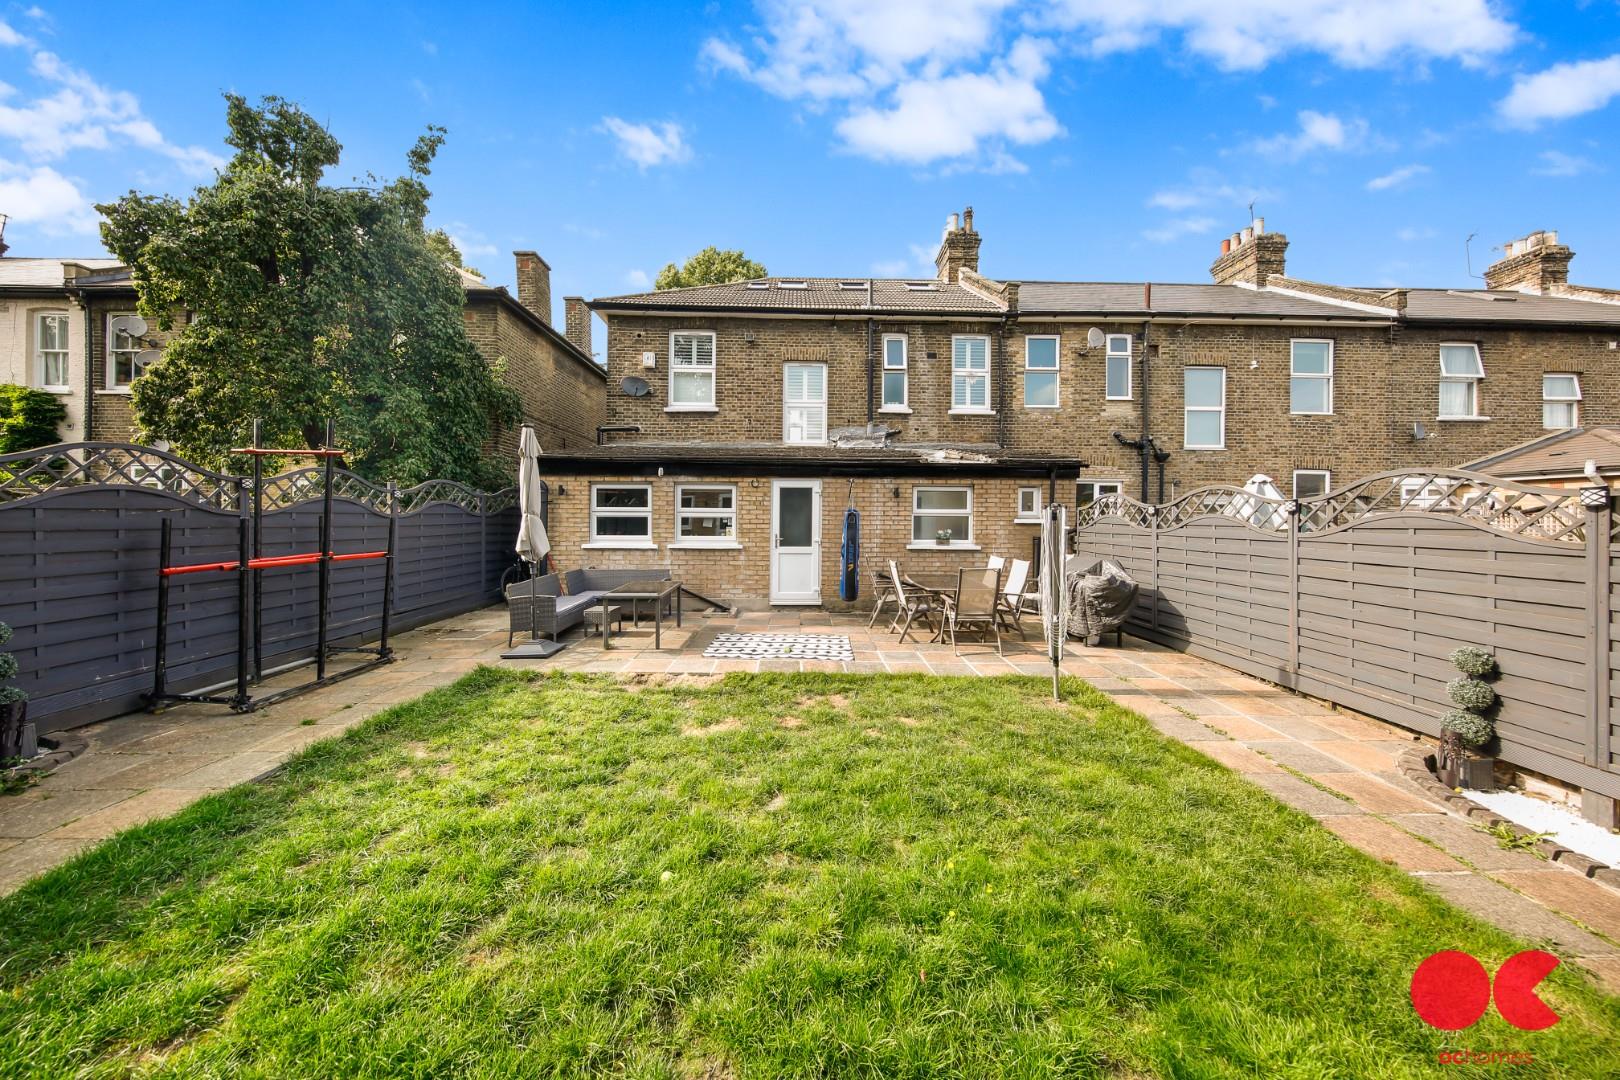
(64, 323)
(742, 419)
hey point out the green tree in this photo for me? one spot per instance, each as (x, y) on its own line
(307, 300)
(711, 266)
(28, 418)
(445, 248)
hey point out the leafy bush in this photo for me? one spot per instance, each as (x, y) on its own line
(8, 670)
(1471, 660)
(1471, 694)
(28, 418)
(1472, 729)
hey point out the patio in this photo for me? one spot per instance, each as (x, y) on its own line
(1338, 768)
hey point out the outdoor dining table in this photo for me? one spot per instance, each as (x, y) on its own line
(939, 585)
(656, 590)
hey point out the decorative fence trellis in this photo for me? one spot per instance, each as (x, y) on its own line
(79, 525)
(1359, 596)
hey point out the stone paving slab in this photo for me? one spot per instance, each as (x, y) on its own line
(1302, 796)
(1461, 838)
(1387, 843)
(1594, 905)
(1519, 915)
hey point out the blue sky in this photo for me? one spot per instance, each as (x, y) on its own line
(1095, 139)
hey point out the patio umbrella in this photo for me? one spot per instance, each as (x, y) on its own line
(1258, 510)
(1053, 590)
(532, 543)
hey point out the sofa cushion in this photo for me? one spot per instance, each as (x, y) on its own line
(577, 602)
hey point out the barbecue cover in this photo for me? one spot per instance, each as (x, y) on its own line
(1100, 597)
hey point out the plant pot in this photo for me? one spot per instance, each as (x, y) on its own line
(1477, 774)
(17, 735)
(942, 543)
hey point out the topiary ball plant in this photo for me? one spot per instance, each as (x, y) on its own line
(1470, 693)
(1471, 660)
(1470, 728)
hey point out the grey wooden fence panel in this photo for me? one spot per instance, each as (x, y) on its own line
(78, 585)
(1381, 603)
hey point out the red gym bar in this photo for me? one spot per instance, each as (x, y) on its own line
(270, 562)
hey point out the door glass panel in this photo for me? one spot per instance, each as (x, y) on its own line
(795, 509)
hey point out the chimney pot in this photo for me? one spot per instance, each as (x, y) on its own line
(1535, 263)
(967, 220)
(1248, 233)
(1259, 226)
(1251, 256)
(1226, 246)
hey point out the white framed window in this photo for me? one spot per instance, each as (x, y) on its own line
(1204, 403)
(938, 510)
(706, 514)
(970, 373)
(691, 370)
(1117, 368)
(51, 350)
(804, 403)
(1087, 492)
(1460, 374)
(1310, 377)
(123, 355)
(1560, 400)
(621, 514)
(896, 388)
(1041, 371)
(1029, 504)
(1309, 483)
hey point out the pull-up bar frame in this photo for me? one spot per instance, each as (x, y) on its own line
(249, 564)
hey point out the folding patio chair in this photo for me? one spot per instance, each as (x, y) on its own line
(976, 605)
(911, 607)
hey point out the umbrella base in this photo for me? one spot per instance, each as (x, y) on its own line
(534, 650)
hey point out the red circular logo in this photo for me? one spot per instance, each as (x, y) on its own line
(1451, 990)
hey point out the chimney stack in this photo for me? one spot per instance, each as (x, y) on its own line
(1537, 263)
(534, 284)
(958, 248)
(4, 247)
(1251, 256)
(577, 323)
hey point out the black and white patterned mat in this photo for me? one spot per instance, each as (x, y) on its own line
(780, 647)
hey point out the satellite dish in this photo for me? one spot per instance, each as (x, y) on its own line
(1094, 338)
(133, 325)
(634, 386)
(147, 357)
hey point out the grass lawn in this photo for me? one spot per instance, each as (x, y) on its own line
(791, 875)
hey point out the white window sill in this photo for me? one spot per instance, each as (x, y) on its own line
(57, 389)
(691, 408)
(1026, 521)
(801, 442)
(895, 409)
(696, 545)
(1124, 399)
(122, 391)
(923, 545)
(620, 545)
(972, 412)
(1463, 419)
(1293, 413)
(1220, 447)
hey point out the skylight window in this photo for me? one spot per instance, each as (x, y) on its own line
(923, 286)
(759, 284)
(790, 284)
(852, 285)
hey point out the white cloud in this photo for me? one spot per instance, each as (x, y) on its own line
(952, 116)
(1397, 177)
(9, 37)
(637, 279)
(1558, 163)
(1562, 91)
(1206, 188)
(1176, 228)
(1248, 34)
(1412, 234)
(39, 195)
(1317, 131)
(83, 114)
(647, 145)
(469, 241)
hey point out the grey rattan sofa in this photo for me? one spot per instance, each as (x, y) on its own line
(541, 603)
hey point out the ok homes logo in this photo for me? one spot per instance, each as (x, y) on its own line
(1451, 990)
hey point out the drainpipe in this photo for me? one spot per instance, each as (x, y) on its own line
(1001, 385)
(1147, 342)
(871, 365)
(89, 360)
